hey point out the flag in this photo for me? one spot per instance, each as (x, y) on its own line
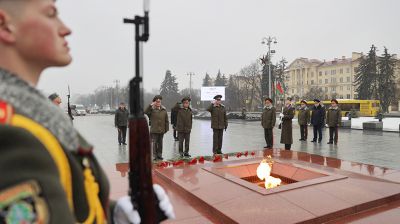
(279, 88)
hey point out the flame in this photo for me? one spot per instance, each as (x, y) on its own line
(264, 172)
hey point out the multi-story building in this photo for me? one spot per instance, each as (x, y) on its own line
(335, 78)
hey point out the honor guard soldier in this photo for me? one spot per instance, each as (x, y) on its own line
(48, 171)
(219, 122)
(268, 120)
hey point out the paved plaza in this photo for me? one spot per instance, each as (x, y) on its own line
(368, 147)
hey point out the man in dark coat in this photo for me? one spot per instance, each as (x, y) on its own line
(219, 122)
(184, 126)
(121, 122)
(268, 120)
(317, 120)
(159, 125)
(287, 129)
(174, 114)
(304, 120)
(333, 119)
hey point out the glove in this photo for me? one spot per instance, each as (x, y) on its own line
(125, 214)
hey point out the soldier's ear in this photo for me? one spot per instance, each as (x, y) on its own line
(6, 28)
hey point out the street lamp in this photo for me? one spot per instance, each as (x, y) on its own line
(268, 40)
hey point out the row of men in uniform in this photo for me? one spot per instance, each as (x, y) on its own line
(181, 120)
(316, 116)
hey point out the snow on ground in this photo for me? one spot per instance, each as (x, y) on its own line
(389, 124)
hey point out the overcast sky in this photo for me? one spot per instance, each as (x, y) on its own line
(202, 36)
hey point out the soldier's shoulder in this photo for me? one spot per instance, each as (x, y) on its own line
(6, 112)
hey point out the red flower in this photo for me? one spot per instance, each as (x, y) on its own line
(239, 154)
(246, 153)
(253, 153)
(201, 159)
(177, 163)
(193, 161)
(217, 159)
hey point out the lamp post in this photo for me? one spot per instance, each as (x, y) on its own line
(190, 74)
(268, 40)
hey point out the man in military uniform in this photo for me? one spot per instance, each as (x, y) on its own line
(49, 173)
(55, 98)
(333, 119)
(121, 122)
(268, 120)
(317, 120)
(219, 122)
(158, 116)
(303, 118)
(287, 129)
(184, 126)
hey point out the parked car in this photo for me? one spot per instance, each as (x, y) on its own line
(78, 110)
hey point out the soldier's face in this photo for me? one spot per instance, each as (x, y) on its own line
(333, 104)
(303, 105)
(157, 103)
(40, 34)
(185, 104)
(57, 101)
(267, 103)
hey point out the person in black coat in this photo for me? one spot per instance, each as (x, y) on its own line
(317, 120)
(174, 115)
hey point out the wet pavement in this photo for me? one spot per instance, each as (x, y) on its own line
(368, 147)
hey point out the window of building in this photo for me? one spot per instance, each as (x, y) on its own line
(312, 82)
(326, 72)
(320, 73)
(320, 81)
(348, 87)
(333, 72)
(347, 70)
(292, 90)
(326, 89)
(341, 87)
(326, 81)
(341, 79)
(348, 96)
(333, 89)
(312, 74)
(348, 79)
(341, 97)
(341, 71)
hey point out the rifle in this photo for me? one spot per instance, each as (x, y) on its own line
(69, 106)
(140, 176)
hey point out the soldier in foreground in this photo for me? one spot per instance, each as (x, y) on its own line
(268, 120)
(49, 173)
(219, 122)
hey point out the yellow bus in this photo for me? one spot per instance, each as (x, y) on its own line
(365, 108)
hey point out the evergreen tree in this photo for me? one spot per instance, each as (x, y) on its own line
(207, 81)
(220, 80)
(366, 78)
(169, 90)
(232, 98)
(386, 80)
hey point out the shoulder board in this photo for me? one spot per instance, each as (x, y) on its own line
(6, 112)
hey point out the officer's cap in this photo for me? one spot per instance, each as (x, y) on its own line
(217, 97)
(53, 96)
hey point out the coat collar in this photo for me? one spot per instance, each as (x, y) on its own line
(29, 102)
